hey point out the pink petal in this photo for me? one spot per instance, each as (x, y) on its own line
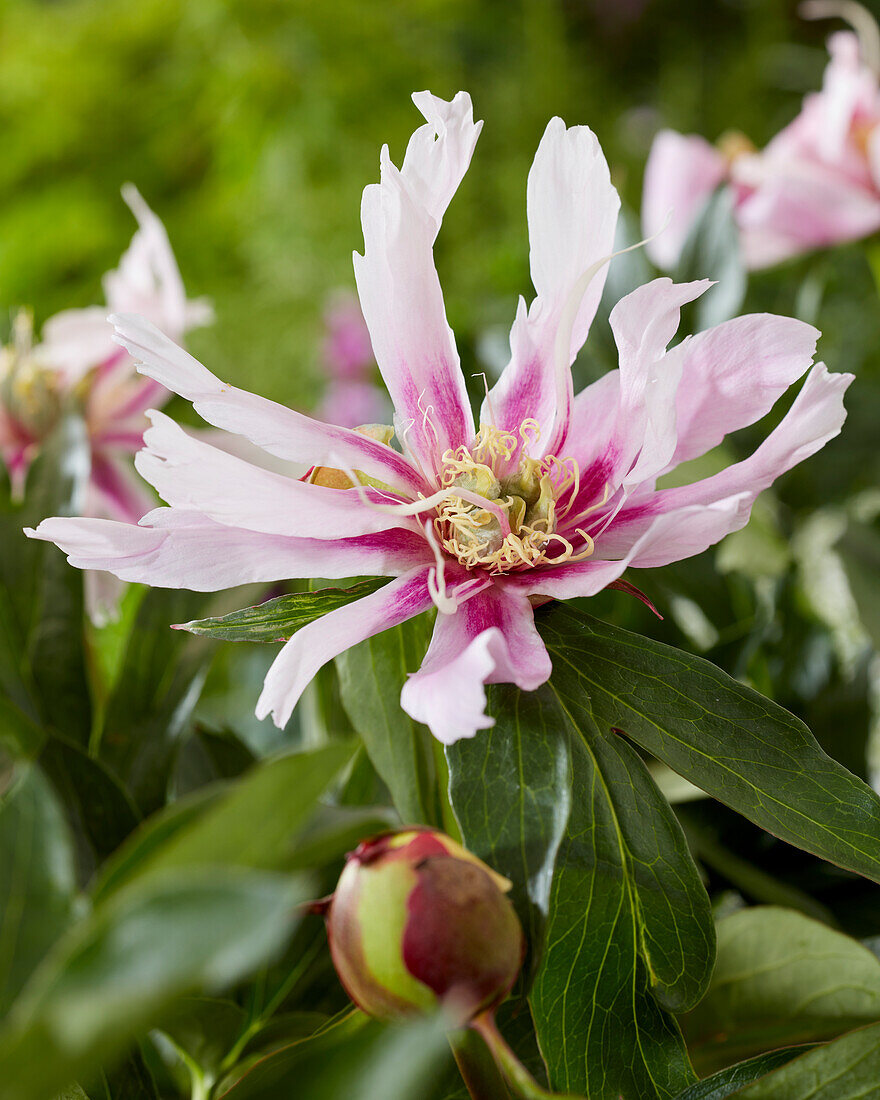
(733, 374)
(103, 593)
(76, 340)
(490, 639)
(681, 173)
(572, 214)
(280, 431)
(148, 280)
(802, 206)
(319, 642)
(644, 436)
(188, 550)
(192, 475)
(816, 416)
(398, 286)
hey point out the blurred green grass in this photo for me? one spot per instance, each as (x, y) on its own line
(252, 126)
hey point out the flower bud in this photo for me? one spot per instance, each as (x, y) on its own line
(417, 922)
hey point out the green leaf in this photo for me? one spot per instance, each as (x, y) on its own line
(73, 1092)
(511, 793)
(354, 1057)
(37, 878)
(628, 915)
(129, 1080)
(279, 619)
(780, 979)
(712, 251)
(724, 737)
(97, 805)
(205, 1029)
(146, 842)
(859, 550)
(152, 699)
(42, 664)
(55, 644)
(729, 1081)
(116, 972)
(371, 676)
(627, 918)
(253, 824)
(846, 1069)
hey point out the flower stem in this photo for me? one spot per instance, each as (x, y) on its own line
(516, 1074)
(477, 1066)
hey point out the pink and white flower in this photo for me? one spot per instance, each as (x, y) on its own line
(78, 357)
(817, 183)
(552, 495)
(79, 361)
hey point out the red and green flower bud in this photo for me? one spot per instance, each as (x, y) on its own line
(417, 922)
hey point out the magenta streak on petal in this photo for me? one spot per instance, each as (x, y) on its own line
(123, 498)
(147, 394)
(129, 441)
(112, 360)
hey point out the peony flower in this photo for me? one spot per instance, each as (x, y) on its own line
(817, 183)
(549, 496)
(79, 361)
(351, 396)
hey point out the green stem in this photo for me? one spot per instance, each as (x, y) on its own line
(516, 1074)
(447, 814)
(477, 1066)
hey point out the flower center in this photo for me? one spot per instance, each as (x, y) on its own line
(28, 391)
(507, 515)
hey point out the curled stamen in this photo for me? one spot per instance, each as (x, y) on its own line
(529, 432)
(427, 422)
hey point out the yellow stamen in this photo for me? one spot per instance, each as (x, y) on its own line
(508, 521)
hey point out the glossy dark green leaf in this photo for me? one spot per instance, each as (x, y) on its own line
(371, 677)
(37, 878)
(729, 1081)
(253, 824)
(116, 972)
(780, 979)
(721, 735)
(279, 619)
(712, 251)
(846, 1069)
(511, 793)
(627, 915)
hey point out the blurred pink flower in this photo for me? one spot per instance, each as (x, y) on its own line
(351, 397)
(817, 183)
(554, 496)
(348, 352)
(78, 361)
